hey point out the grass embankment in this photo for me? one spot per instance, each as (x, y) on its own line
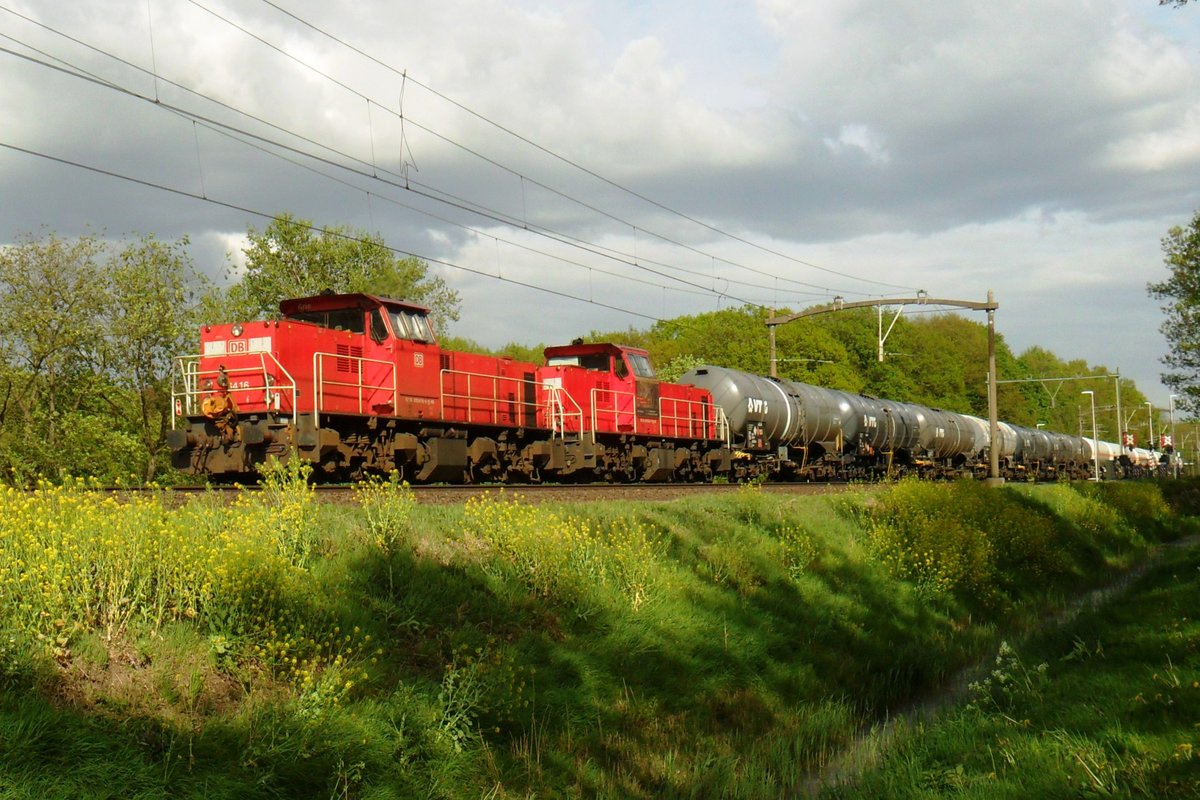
(1107, 705)
(281, 647)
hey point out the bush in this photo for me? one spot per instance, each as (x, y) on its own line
(565, 558)
(912, 533)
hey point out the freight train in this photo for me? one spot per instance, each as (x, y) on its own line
(356, 384)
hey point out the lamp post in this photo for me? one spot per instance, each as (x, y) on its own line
(1174, 462)
(1120, 430)
(1095, 438)
(1150, 419)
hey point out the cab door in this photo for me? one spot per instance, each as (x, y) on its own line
(634, 403)
(379, 374)
(418, 361)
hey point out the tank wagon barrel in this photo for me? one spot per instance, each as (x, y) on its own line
(804, 431)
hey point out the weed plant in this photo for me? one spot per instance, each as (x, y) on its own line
(279, 646)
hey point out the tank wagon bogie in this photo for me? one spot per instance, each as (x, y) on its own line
(355, 384)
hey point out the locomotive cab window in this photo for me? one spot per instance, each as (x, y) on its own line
(597, 362)
(411, 325)
(379, 330)
(346, 319)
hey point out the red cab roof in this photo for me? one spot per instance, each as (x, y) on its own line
(331, 302)
(591, 348)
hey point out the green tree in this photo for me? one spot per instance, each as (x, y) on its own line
(1180, 294)
(674, 368)
(730, 337)
(88, 335)
(150, 318)
(49, 325)
(292, 258)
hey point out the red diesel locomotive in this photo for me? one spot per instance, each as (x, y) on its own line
(354, 383)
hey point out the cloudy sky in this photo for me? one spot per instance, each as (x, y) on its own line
(638, 160)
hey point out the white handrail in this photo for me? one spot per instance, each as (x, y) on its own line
(683, 421)
(559, 415)
(274, 380)
(555, 409)
(319, 381)
(494, 398)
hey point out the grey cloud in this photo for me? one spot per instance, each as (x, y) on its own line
(914, 124)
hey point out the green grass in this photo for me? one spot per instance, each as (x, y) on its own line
(725, 646)
(1105, 706)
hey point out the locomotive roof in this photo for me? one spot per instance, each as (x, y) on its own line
(589, 349)
(330, 302)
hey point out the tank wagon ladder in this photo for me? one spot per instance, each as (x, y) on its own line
(891, 439)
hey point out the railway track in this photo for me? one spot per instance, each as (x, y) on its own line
(596, 492)
(533, 493)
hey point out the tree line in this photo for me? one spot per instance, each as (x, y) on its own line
(90, 329)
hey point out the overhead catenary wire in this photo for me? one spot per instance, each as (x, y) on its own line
(296, 59)
(563, 159)
(204, 197)
(316, 228)
(429, 192)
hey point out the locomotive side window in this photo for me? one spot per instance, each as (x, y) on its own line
(400, 325)
(420, 324)
(379, 330)
(641, 365)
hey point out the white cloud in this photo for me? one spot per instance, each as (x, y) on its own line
(1175, 145)
(862, 139)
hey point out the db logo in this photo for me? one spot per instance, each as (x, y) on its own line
(418, 359)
